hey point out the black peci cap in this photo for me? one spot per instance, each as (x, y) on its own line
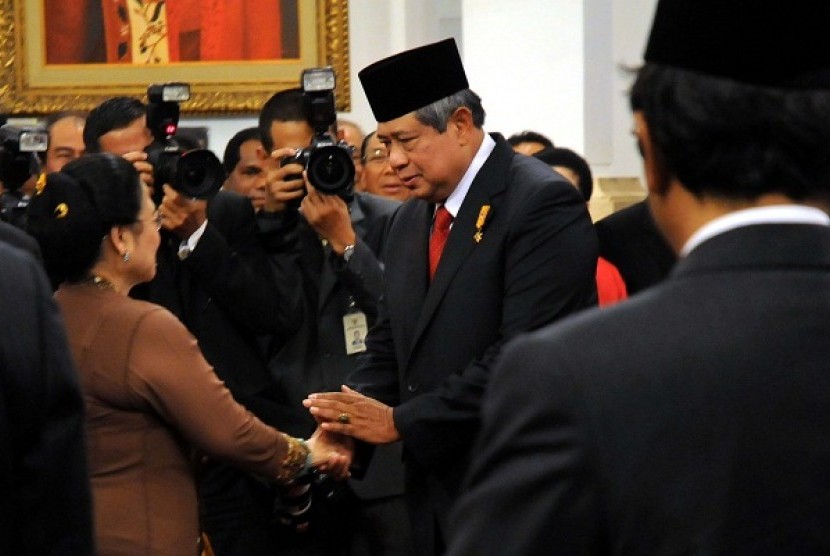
(413, 79)
(760, 42)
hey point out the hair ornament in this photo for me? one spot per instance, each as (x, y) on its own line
(41, 183)
(61, 210)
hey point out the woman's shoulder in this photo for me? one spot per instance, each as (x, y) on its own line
(119, 311)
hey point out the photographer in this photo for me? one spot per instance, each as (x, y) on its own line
(215, 276)
(66, 139)
(19, 168)
(340, 238)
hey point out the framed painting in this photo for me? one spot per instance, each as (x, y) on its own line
(73, 54)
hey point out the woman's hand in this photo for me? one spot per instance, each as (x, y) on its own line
(331, 453)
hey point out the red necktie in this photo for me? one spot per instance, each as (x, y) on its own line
(440, 232)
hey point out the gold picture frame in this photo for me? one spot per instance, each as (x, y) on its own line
(30, 86)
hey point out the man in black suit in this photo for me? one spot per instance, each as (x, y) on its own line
(46, 503)
(339, 241)
(214, 274)
(692, 419)
(520, 252)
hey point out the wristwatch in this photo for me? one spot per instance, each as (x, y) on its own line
(348, 251)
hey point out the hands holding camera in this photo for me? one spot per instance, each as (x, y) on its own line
(328, 215)
(142, 166)
(285, 184)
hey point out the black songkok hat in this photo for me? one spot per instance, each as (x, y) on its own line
(413, 79)
(760, 42)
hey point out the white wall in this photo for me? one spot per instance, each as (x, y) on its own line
(547, 65)
(524, 58)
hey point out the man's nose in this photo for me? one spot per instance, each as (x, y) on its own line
(397, 157)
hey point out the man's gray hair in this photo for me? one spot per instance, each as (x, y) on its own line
(438, 114)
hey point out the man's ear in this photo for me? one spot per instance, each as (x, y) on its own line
(461, 123)
(657, 174)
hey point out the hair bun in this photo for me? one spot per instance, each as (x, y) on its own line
(64, 199)
(60, 213)
(75, 208)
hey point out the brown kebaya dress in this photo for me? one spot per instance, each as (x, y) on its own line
(150, 397)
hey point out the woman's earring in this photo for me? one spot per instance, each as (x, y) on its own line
(126, 256)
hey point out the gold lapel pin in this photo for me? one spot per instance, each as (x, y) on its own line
(482, 218)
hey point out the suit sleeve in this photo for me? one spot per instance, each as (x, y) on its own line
(532, 462)
(232, 265)
(53, 507)
(549, 273)
(362, 277)
(169, 374)
(376, 374)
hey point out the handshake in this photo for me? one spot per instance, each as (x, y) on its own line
(341, 417)
(349, 413)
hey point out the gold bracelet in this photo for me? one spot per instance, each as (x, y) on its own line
(295, 459)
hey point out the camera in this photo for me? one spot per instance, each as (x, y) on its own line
(327, 161)
(198, 173)
(18, 163)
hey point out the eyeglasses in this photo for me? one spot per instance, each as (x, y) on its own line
(377, 155)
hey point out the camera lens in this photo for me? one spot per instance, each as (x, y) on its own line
(199, 174)
(331, 169)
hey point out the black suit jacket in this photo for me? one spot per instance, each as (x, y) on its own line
(314, 359)
(20, 239)
(45, 507)
(227, 295)
(693, 419)
(431, 352)
(630, 240)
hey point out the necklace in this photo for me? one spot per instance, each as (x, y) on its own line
(99, 282)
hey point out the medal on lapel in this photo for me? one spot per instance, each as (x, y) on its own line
(482, 218)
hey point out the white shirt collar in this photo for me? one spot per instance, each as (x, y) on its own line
(453, 202)
(775, 214)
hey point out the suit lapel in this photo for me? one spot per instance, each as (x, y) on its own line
(488, 183)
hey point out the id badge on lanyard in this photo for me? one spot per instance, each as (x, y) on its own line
(355, 329)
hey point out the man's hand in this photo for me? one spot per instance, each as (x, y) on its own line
(329, 216)
(144, 168)
(331, 453)
(280, 189)
(351, 413)
(181, 215)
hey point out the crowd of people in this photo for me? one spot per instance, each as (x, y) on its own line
(415, 363)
